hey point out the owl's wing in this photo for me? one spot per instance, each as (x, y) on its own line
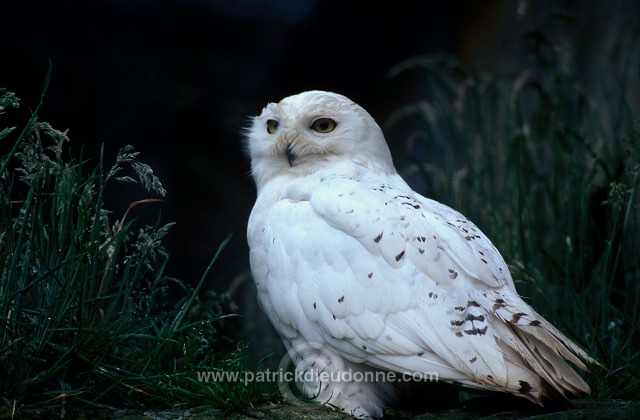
(400, 282)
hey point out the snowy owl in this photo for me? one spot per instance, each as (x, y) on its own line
(359, 274)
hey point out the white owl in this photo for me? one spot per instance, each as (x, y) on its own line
(346, 257)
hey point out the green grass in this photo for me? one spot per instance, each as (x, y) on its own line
(83, 295)
(551, 176)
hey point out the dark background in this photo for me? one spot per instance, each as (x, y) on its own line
(177, 79)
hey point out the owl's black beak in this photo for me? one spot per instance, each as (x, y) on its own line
(291, 156)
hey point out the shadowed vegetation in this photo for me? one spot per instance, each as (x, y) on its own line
(84, 313)
(551, 176)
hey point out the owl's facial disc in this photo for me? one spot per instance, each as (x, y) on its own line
(296, 145)
(315, 131)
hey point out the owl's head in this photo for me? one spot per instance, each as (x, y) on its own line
(311, 131)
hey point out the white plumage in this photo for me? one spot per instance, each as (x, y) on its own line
(346, 256)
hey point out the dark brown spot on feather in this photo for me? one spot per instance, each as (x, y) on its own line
(479, 318)
(473, 303)
(377, 238)
(457, 323)
(341, 299)
(477, 331)
(314, 305)
(399, 256)
(473, 359)
(525, 387)
(370, 275)
(420, 250)
(535, 323)
(459, 334)
(516, 317)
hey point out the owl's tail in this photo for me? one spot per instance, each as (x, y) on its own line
(530, 342)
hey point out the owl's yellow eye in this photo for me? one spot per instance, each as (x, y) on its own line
(272, 126)
(324, 125)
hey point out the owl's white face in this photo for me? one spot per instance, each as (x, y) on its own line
(304, 133)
